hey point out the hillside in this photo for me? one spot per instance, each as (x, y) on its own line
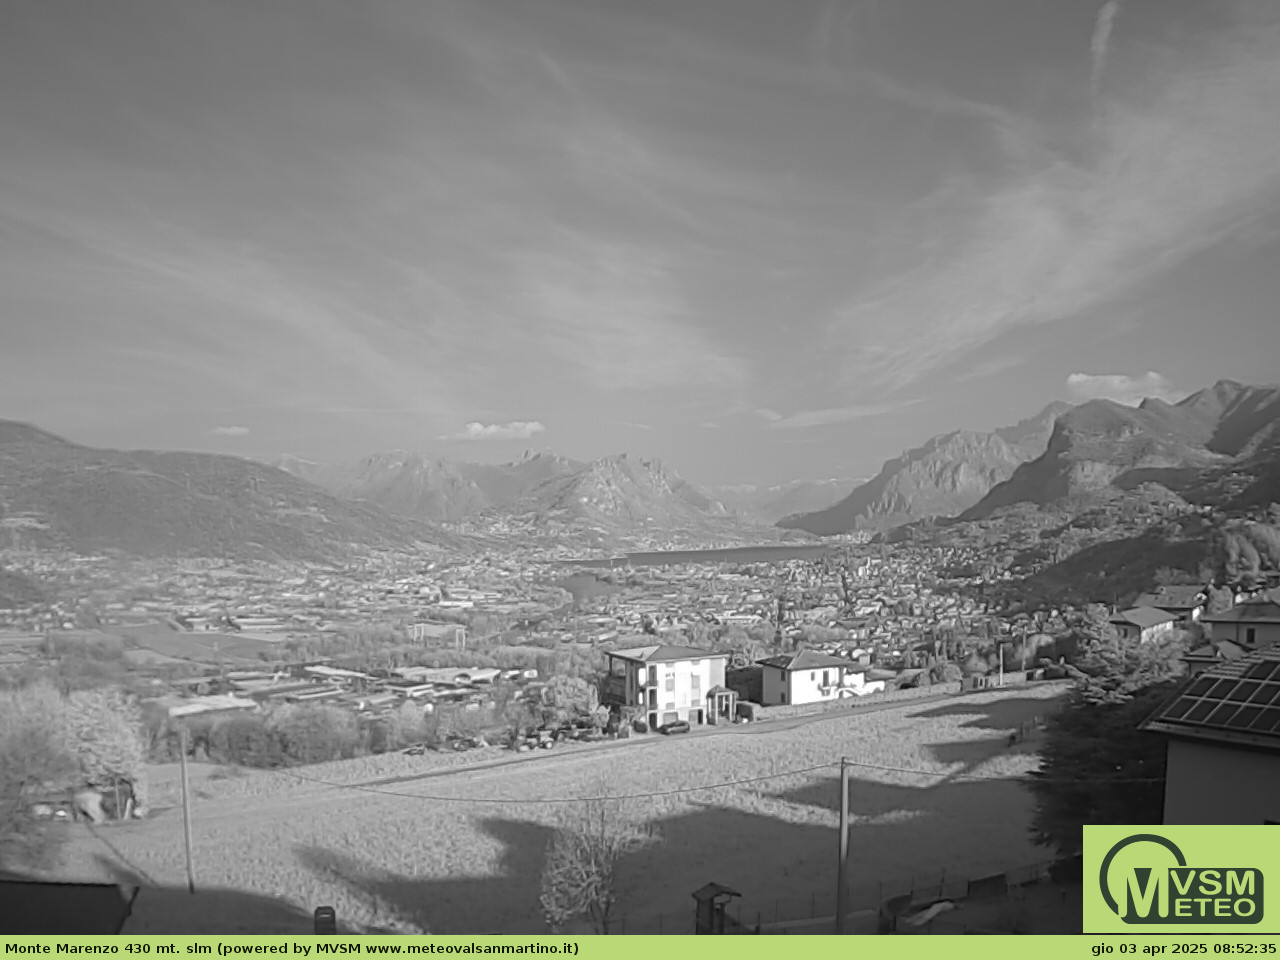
(411, 485)
(620, 501)
(942, 477)
(59, 495)
(1102, 445)
(546, 498)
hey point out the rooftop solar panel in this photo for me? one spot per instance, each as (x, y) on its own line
(1222, 714)
(1199, 711)
(1221, 689)
(1243, 690)
(1247, 715)
(1199, 687)
(1235, 700)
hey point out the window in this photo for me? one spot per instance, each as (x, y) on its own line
(671, 681)
(784, 696)
(695, 684)
(826, 678)
(813, 674)
(653, 676)
(1250, 636)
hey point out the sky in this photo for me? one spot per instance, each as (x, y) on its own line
(756, 240)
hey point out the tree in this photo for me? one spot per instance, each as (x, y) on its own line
(1116, 668)
(34, 758)
(107, 733)
(404, 725)
(579, 876)
(1221, 599)
(1097, 767)
(569, 696)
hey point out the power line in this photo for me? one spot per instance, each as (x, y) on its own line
(941, 776)
(522, 800)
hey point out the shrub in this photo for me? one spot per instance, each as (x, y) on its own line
(245, 739)
(314, 733)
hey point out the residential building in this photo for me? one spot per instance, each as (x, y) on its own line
(1224, 743)
(813, 677)
(1254, 623)
(1145, 624)
(665, 681)
(1186, 602)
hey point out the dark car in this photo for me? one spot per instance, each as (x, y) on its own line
(679, 726)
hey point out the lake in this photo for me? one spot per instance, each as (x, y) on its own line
(766, 553)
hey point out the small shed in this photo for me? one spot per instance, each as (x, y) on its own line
(712, 900)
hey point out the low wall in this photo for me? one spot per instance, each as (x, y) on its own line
(849, 704)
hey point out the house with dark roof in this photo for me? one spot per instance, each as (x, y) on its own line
(813, 677)
(1145, 624)
(1186, 603)
(1223, 729)
(667, 682)
(1254, 623)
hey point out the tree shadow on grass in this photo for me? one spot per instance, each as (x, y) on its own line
(503, 902)
(128, 904)
(1003, 714)
(780, 856)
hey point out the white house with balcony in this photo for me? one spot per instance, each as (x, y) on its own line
(813, 677)
(666, 683)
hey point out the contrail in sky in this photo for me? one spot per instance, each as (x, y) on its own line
(1101, 36)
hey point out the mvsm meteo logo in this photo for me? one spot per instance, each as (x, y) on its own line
(1145, 879)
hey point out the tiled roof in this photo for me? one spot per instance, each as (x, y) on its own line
(1234, 702)
(665, 652)
(809, 660)
(1143, 617)
(1264, 608)
(1172, 598)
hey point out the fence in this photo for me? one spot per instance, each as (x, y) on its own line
(814, 913)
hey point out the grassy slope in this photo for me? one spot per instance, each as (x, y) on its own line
(473, 865)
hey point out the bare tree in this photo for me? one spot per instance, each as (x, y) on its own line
(579, 877)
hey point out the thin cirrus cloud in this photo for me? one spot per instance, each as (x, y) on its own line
(231, 431)
(1183, 153)
(821, 418)
(512, 430)
(1122, 388)
(982, 369)
(616, 313)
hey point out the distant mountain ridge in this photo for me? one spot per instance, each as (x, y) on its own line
(55, 494)
(941, 477)
(1103, 445)
(411, 485)
(769, 504)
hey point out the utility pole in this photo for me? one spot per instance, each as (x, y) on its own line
(1000, 647)
(842, 869)
(186, 811)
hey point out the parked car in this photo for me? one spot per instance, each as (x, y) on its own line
(679, 726)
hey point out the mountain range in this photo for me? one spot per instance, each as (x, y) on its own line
(414, 485)
(942, 477)
(1220, 445)
(59, 495)
(1227, 430)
